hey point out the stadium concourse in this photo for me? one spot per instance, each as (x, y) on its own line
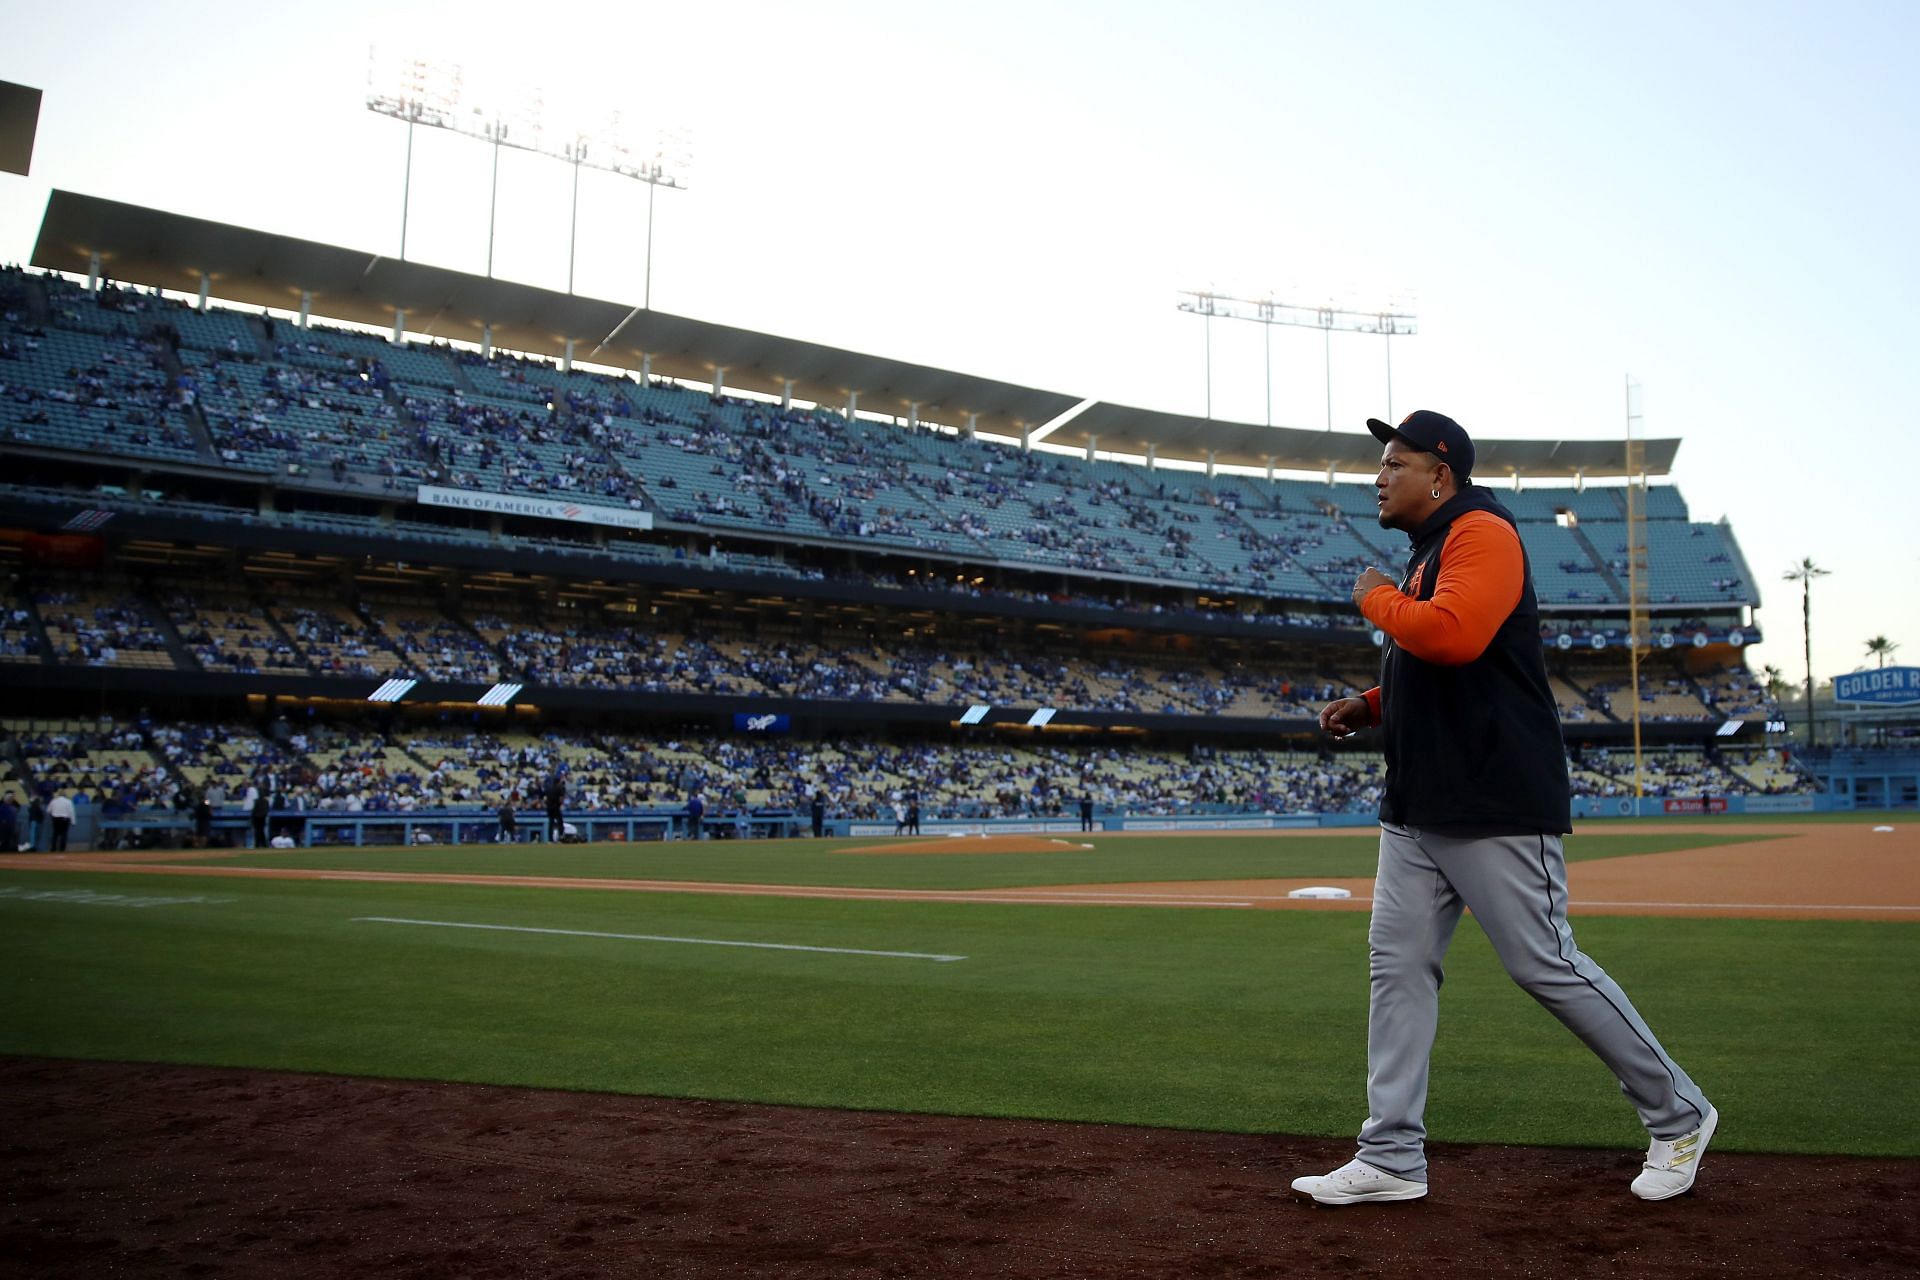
(226, 530)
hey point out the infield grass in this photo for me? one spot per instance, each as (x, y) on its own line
(1802, 1032)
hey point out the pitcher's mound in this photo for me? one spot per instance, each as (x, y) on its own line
(976, 844)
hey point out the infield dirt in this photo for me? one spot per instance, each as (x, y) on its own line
(112, 1169)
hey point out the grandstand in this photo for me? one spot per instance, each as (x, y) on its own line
(227, 516)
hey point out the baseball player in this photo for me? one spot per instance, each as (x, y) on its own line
(1475, 805)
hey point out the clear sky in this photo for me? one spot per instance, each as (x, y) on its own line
(1716, 198)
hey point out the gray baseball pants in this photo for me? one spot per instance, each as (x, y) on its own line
(1516, 887)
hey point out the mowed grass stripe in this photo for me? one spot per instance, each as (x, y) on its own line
(837, 864)
(653, 937)
(1243, 1021)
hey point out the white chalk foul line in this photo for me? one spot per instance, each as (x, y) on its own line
(656, 937)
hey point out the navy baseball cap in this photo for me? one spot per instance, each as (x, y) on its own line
(1433, 433)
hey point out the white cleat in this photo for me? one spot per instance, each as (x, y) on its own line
(1671, 1166)
(1358, 1183)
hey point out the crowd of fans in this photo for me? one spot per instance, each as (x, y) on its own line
(130, 768)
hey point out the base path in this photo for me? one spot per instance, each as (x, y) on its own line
(131, 1170)
(1838, 871)
(1806, 872)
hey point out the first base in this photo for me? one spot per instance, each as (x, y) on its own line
(1320, 891)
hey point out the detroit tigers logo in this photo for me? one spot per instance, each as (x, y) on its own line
(1413, 582)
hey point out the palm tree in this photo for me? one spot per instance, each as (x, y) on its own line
(1804, 573)
(1882, 648)
(1776, 681)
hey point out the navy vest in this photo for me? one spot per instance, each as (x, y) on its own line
(1475, 747)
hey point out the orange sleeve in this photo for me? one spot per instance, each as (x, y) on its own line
(1372, 697)
(1481, 573)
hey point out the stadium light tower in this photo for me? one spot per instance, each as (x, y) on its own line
(1326, 318)
(1804, 573)
(435, 94)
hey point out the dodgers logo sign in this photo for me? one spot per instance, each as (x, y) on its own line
(1890, 687)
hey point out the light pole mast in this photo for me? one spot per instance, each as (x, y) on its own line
(1804, 573)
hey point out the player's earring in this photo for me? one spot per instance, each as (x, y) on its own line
(1436, 491)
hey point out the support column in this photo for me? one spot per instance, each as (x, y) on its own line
(1269, 468)
(1329, 475)
(913, 415)
(1026, 437)
(973, 426)
(1579, 482)
(1153, 456)
(786, 393)
(306, 308)
(93, 272)
(206, 287)
(566, 358)
(486, 342)
(719, 381)
(399, 324)
(853, 404)
(1093, 443)
(646, 367)
(1210, 456)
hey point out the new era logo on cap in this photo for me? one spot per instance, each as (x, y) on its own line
(1433, 433)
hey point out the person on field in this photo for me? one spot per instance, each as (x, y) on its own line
(1476, 803)
(259, 805)
(555, 796)
(59, 820)
(202, 821)
(818, 812)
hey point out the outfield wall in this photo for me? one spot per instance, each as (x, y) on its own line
(476, 826)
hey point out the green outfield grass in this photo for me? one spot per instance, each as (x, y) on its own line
(1211, 1019)
(1111, 860)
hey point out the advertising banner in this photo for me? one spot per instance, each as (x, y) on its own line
(508, 504)
(1889, 687)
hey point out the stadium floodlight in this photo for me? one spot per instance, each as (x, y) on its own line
(500, 695)
(392, 691)
(975, 713)
(438, 94)
(1386, 322)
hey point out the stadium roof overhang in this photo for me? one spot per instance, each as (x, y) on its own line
(150, 247)
(1120, 429)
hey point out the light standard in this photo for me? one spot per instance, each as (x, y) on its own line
(434, 94)
(1328, 318)
(1804, 573)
